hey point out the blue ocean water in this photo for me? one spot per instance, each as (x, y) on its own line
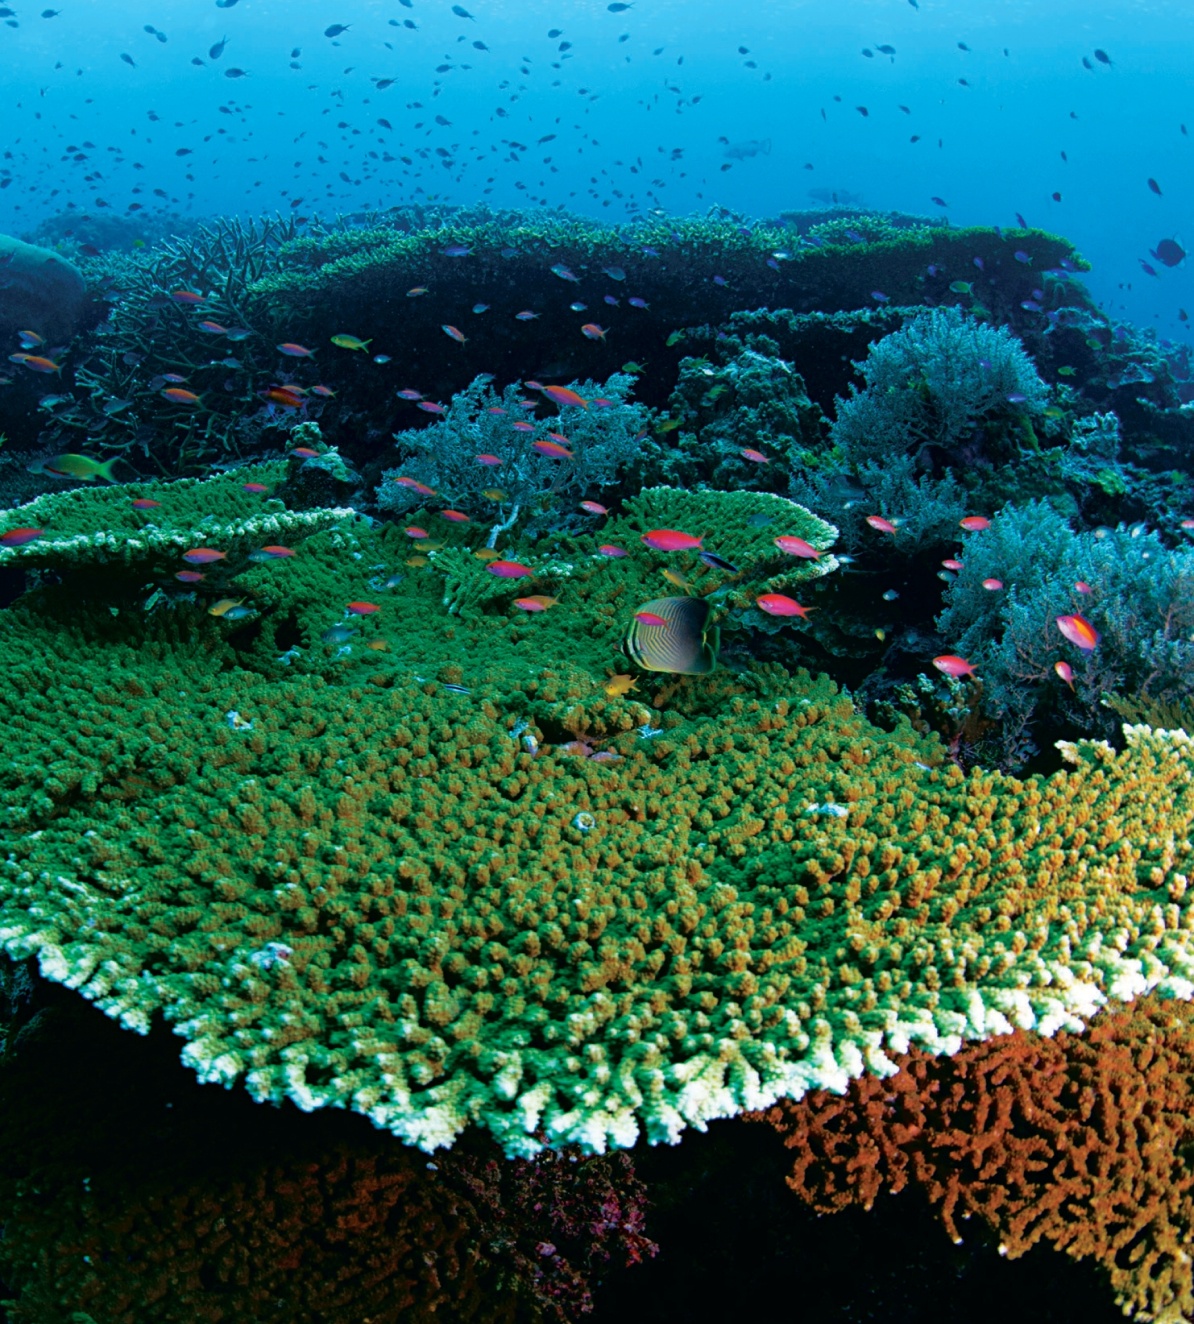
(991, 107)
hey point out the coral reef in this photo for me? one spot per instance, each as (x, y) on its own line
(131, 1193)
(1080, 1141)
(345, 882)
(381, 817)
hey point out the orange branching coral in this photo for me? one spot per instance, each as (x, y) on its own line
(1083, 1141)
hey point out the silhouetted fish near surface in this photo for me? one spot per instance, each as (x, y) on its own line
(1169, 252)
(749, 147)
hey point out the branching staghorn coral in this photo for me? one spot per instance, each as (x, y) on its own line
(152, 329)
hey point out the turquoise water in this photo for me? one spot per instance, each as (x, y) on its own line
(639, 103)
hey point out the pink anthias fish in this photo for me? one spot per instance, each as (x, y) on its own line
(953, 665)
(797, 547)
(552, 448)
(672, 540)
(564, 395)
(1079, 631)
(1066, 672)
(19, 537)
(778, 604)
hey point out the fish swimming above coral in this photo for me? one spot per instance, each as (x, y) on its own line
(673, 634)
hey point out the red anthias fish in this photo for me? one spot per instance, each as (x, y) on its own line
(672, 540)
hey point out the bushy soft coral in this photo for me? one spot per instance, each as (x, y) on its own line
(1141, 600)
(540, 492)
(946, 388)
(751, 399)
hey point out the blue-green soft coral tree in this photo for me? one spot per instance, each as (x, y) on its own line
(1137, 594)
(538, 492)
(947, 389)
(947, 402)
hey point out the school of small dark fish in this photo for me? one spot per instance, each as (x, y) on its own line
(453, 104)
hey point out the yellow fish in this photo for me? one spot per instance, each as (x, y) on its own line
(351, 342)
(495, 494)
(429, 546)
(487, 554)
(378, 645)
(224, 606)
(617, 686)
(674, 577)
(417, 560)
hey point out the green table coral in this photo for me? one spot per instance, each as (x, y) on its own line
(360, 889)
(102, 526)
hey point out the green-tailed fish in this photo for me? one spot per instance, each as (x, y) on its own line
(83, 467)
(684, 645)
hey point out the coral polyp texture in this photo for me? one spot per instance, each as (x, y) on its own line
(356, 886)
(105, 527)
(1079, 1141)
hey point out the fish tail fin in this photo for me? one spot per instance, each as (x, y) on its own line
(105, 470)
